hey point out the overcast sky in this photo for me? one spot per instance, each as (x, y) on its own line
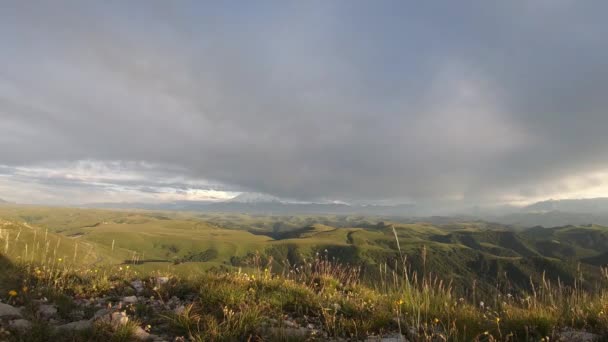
(399, 101)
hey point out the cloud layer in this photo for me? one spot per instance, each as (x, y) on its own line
(475, 101)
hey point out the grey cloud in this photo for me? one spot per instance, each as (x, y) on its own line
(340, 100)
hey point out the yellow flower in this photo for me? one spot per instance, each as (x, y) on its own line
(12, 293)
(436, 320)
(400, 302)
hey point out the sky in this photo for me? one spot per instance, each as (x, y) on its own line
(351, 101)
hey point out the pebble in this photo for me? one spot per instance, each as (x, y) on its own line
(130, 299)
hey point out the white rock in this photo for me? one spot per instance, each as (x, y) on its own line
(162, 280)
(77, 326)
(141, 334)
(20, 324)
(119, 318)
(7, 311)
(130, 299)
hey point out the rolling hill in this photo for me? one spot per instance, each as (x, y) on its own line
(460, 251)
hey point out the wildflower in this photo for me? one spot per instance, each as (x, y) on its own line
(436, 320)
(12, 293)
(400, 302)
(128, 266)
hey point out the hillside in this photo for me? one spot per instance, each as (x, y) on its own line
(475, 258)
(190, 242)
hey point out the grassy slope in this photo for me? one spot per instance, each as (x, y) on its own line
(189, 242)
(82, 240)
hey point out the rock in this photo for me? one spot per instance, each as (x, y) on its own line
(130, 299)
(162, 280)
(290, 324)
(101, 313)
(286, 332)
(77, 326)
(20, 324)
(155, 338)
(389, 338)
(8, 311)
(47, 311)
(138, 285)
(141, 334)
(179, 310)
(577, 336)
(119, 318)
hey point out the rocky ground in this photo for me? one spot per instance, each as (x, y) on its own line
(142, 316)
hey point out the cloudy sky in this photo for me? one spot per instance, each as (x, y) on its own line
(399, 101)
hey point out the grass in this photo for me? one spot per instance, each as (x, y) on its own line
(345, 277)
(330, 296)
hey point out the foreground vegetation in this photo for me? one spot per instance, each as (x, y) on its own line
(319, 300)
(81, 283)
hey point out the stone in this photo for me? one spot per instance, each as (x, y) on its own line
(290, 324)
(138, 285)
(141, 334)
(162, 280)
(47, 311)
(20, 324)
(577, 336)
(179, 310)
(389, 338)
(101, 313)
(77, 326)
(119, 318)
(8, 311)
(130, 299)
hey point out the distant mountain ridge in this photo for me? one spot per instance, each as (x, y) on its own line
(551, 213)
(265, 205)
(585, 205)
